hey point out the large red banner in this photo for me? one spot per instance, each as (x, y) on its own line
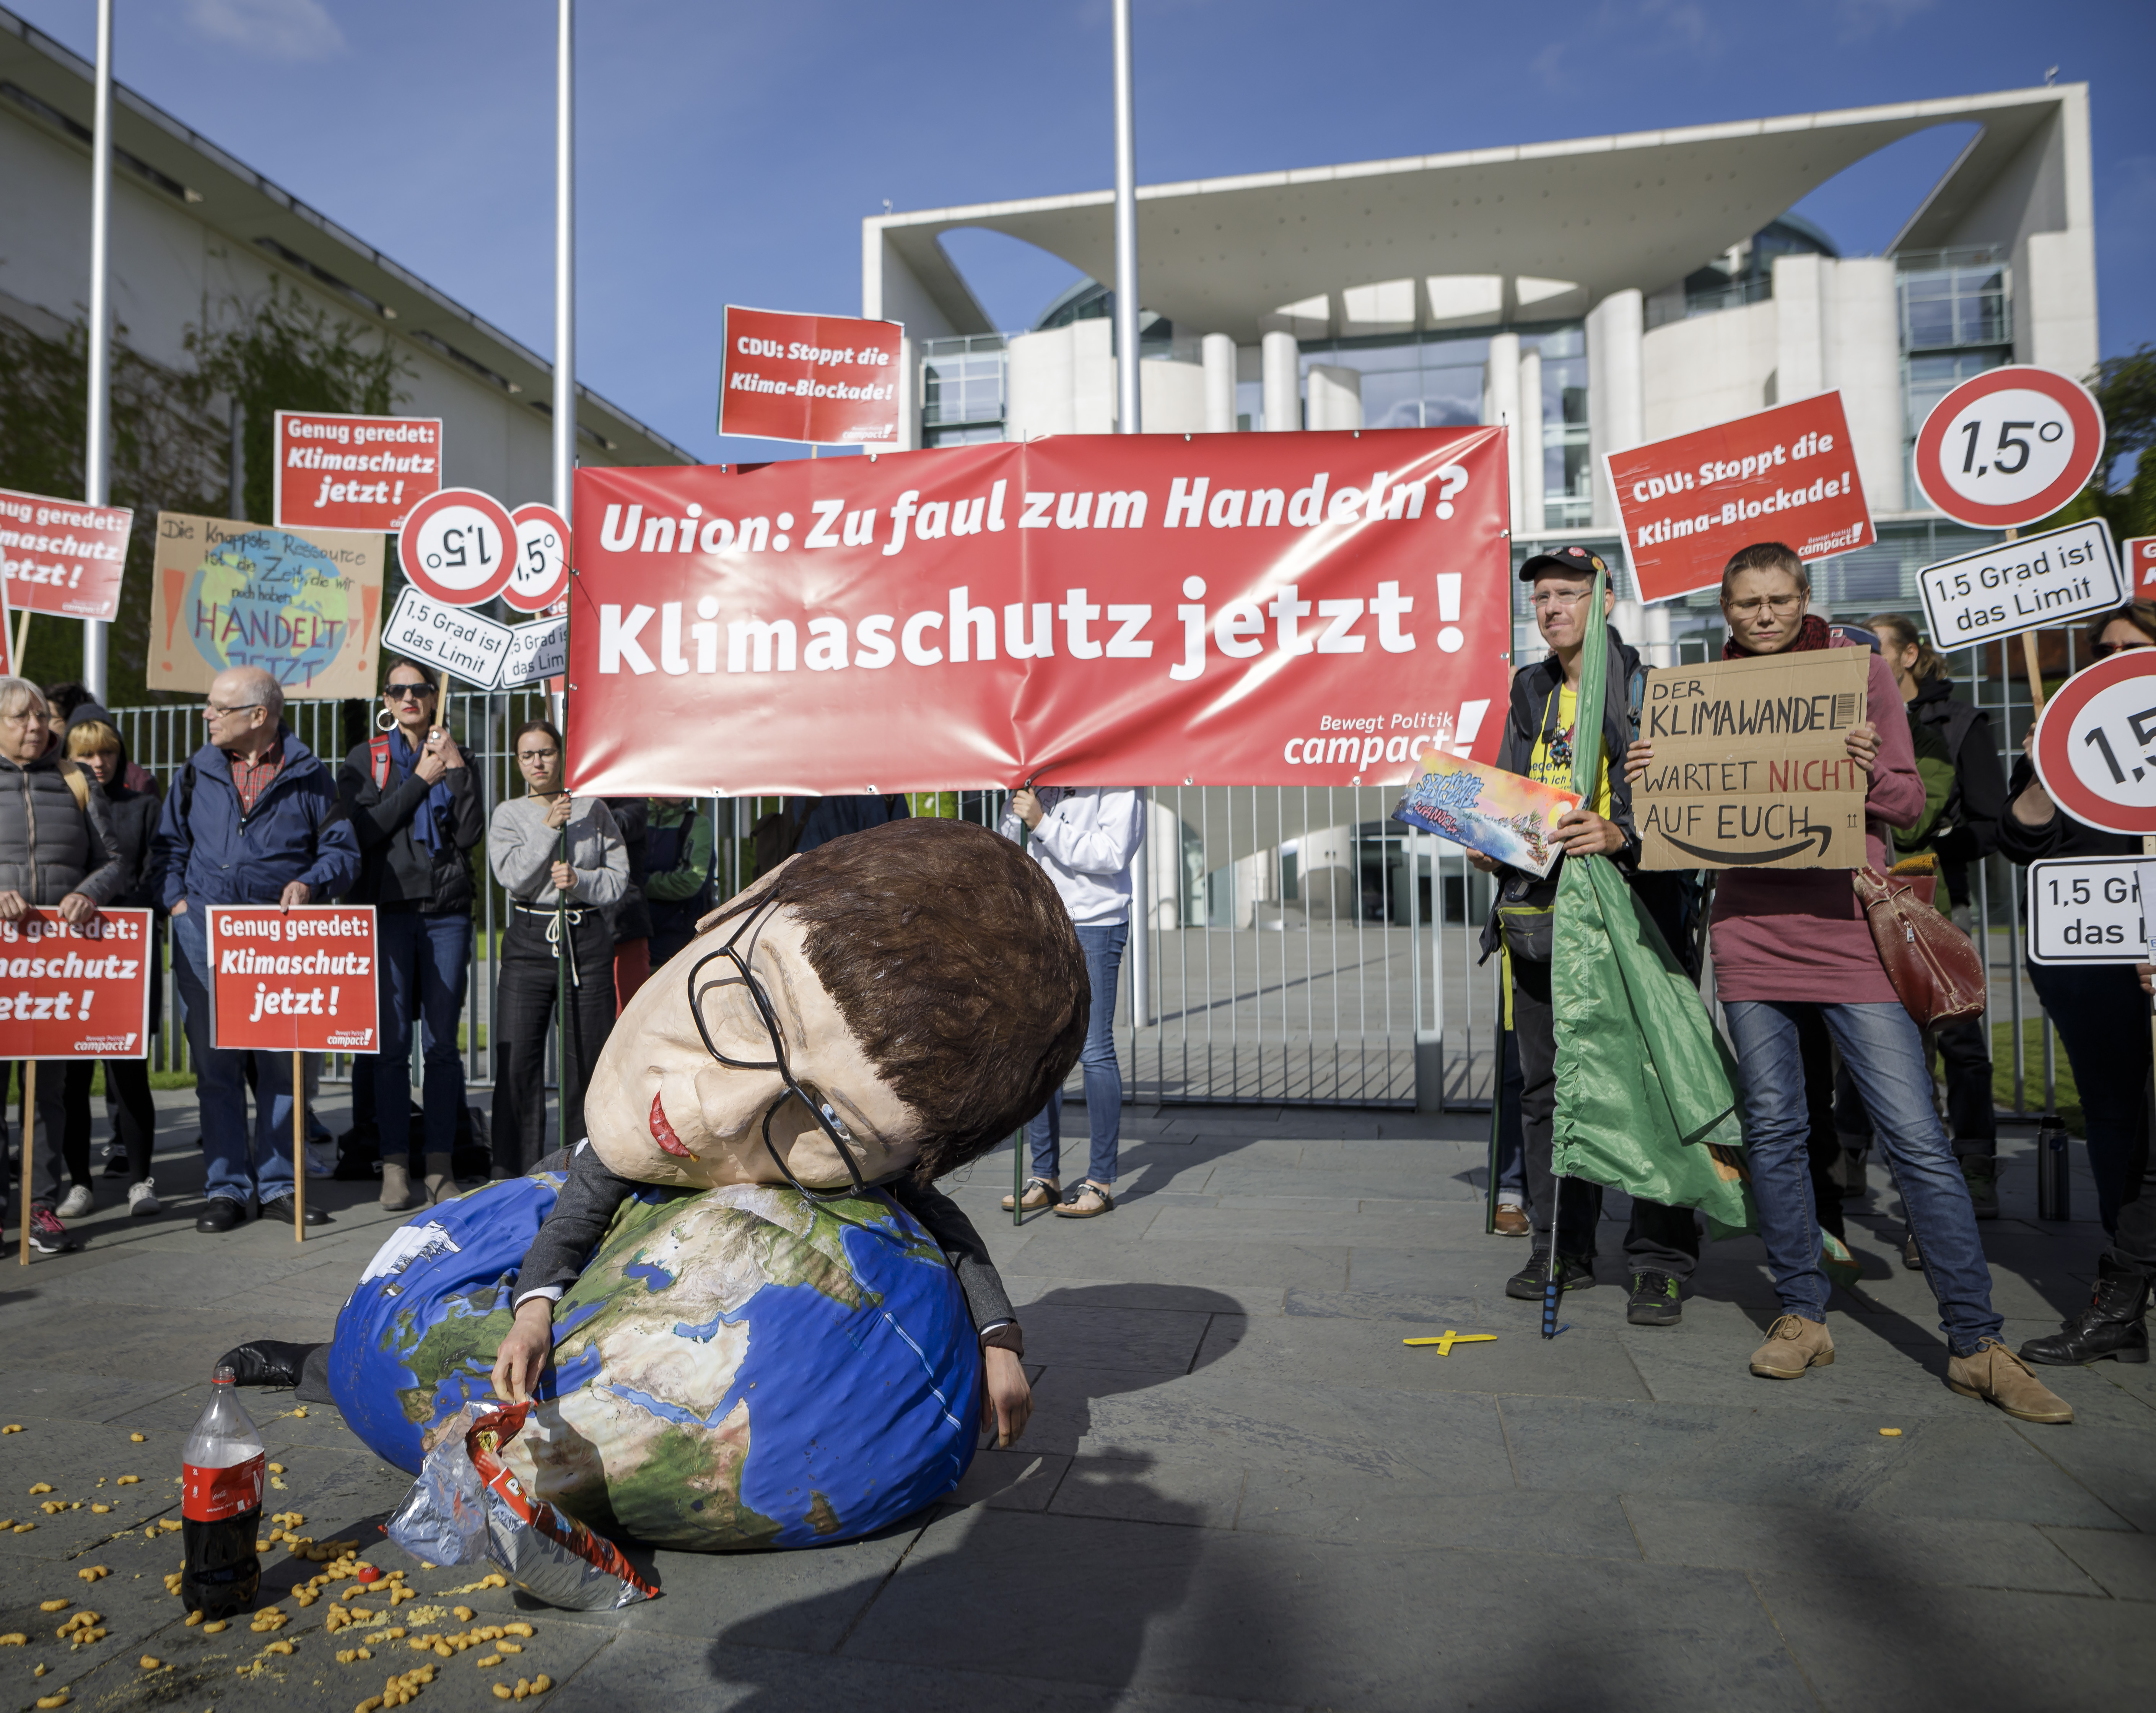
(352, 473)
(828, 379)
(62, 557)
(75, 992)
(1218, 609)
(1786, 474)
(293, 981)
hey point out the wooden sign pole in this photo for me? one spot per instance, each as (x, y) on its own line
(298, 1146)
(2029, 658)
(29, 1136)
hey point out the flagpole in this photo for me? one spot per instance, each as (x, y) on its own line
(564, 469)
(97, 484)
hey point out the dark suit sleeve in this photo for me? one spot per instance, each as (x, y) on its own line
(945, 1221)
(582, 1212)
(469, 822)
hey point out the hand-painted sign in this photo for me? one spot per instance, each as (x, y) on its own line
(352, 473)
(62, 557)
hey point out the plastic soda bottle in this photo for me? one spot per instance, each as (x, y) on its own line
(221, 1508)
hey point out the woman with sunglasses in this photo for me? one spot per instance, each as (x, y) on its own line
(2103, 1018)
(524, 848)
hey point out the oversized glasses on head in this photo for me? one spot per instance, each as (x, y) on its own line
(826, 1120)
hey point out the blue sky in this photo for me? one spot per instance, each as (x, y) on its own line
(728, 151)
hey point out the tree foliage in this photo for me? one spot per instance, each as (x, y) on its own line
(2125, 389)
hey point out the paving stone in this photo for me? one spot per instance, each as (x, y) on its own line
(1225, 1264)
(1328, 1506)
(1371, 1353)
(1059, 1331)
(1013, 1480)
(1143, 1490)
(2123, 1561)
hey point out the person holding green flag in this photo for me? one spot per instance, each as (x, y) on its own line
(1543, 741)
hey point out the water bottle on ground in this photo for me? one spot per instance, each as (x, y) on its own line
(221, 1509)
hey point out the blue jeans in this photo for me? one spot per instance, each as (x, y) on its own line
(1885, 1054)
(425, 962)
(239, 1168)
(1103, 948)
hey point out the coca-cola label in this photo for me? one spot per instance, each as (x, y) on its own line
(213, 1494)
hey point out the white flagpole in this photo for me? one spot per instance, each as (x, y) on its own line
(565, 275)
(96, 477)
(1130, 420)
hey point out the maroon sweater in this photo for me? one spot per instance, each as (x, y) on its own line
(1798, 934)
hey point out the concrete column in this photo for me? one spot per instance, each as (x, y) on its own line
(1280, 360)
(1530, 521)
(909, 398)
(1863, 360)
(1336, 397)
(1040, 391)
(1616, 402)
(1501, 406)
(1217, 350)
(1801, 330)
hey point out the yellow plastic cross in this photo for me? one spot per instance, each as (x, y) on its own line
(1450, 1338)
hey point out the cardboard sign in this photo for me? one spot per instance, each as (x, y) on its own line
(2139, 553)
(454, 638)
(536, 651)
(62, 556)
(352, 473)
(293, 981)
(2011, 587)
(829, 379)
(76, 992)
(1751, 768)
(2087, 910)
(1506, 817)
(1318, 608)
(1785, 475)
(306, 605)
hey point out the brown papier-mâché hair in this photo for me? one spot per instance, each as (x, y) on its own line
(953, 961)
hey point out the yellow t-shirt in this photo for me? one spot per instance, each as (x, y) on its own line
(1551, 764)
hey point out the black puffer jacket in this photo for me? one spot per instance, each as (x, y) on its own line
(50, 845)
(396, 867)
(134, 815)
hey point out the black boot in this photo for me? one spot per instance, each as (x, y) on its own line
(2113, 1325)
(264, 1361)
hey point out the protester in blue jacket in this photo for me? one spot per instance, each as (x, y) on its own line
(252, 818)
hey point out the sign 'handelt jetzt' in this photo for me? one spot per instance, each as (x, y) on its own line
(1752, 766)
(1249, 609)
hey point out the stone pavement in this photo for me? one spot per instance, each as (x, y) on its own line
(1239, 1487)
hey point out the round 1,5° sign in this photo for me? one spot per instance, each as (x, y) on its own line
(2095, 744)
(458, 545)
(543, 559)
(2008, 447)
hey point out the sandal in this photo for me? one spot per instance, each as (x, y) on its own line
(1088, 1201)
(1039, 1192)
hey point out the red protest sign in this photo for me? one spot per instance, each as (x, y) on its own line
(2139, 553)
(541, 570)
(2008, 446)
(351, 472)
(823, 378)
(459, 546)
(1785, 475)
(75, 992)
(1262, 609)
(295, 981)
(2095, 748)
(62, 556)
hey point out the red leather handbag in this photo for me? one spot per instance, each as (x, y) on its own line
(1936, 971)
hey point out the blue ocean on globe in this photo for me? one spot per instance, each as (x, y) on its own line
(271, 599)
(735, 1367)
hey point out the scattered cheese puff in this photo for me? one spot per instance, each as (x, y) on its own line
(510, 1646)
(127, 1481)
(1890, 1433)
(100, 1509)
(150, 1661)
(464, 1614)
(300, 1413)
(502, 1692)
(277, 1647)
(14, 1639)
(12, 1428)
(517, 1629)
(487, 1659)
(49, 1702)
(276, 1468)
(213, 1629)
(171, 1525)
(24, 1528)
(138, 1438)
(194, 1618)
(55, 1605)
(93, 1572)
(41, 1487)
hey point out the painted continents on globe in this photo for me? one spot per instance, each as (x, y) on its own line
(272, 600)
(735, 1367)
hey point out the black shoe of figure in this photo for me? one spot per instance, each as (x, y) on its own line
(280, 1207)
(2113, 1325)
(1653, 1300)
(1981, 1173)
(264, 1361)
(1910, 1257)
(221, 1214)
(1571, 1274)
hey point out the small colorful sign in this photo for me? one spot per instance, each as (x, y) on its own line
(75, 991)
(351, 472)
(62, 556)
(827, 379)
(1507, 818)
(293, 981)
(1785, 475)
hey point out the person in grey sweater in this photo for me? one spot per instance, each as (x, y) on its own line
(524, 848)
(57, 852)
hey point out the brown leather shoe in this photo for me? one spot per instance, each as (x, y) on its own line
(1793, 1344)
(1513, 1222)
(1997, 1376)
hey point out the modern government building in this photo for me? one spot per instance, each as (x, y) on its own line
(1593, 294)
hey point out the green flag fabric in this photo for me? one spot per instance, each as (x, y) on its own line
(1646, 1098)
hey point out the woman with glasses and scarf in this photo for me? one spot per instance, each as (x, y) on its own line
(413, 804)
(2101, 1016)
(1793, 942)
(524, 848)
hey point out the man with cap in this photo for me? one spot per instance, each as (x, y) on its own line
(1662, 1245)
